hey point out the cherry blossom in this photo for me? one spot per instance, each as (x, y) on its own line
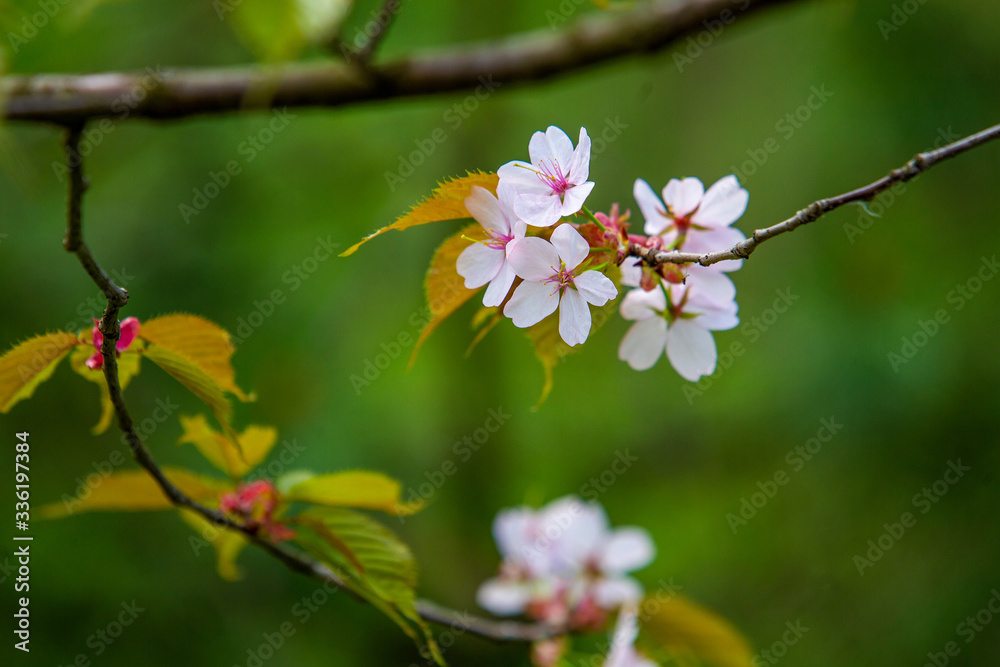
(551, 281)
(555, 183)
(129, 330)
(486, 262)
(681, 326)
(692, 219)
(563, 564)
(623, 653)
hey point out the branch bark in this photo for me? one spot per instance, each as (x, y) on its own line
(72, 99)
(919, 164)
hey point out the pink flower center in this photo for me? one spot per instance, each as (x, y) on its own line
(497, 240)
(550, 173)
(561, 278)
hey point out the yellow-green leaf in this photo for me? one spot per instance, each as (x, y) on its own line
(256, 443)
(31, 363)
(447, 202)
(228, 544)
(381, 569)
(204, 343)
(135, 491)
(353, 488)
(445, 289)
(198, 383)
(128, 368)
(689, 632)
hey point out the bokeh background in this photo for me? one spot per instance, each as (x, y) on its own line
(857, 296)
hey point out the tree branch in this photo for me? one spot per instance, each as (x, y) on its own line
(297, 562)
(72, 99)
(919, 164)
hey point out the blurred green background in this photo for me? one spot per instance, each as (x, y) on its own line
(857, 298)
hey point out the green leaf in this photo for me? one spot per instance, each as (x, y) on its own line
(445, 289)
(134, 491)
(31, 363)
(277, 30)
(447, 202)
(128, 368)
(353, 488)
(689, 632)
(380, 568)
(255, 442)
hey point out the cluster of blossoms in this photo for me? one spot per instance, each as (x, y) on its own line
(564, 565)
(254, 504)
(562, 265)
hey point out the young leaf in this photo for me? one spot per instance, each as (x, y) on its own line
(387, 574)
(204, 343)
(447, 202)
(689, 631)
(134, 490)
(256, 443)
(353, 488)
(269, 28)
(31, 363)
(228, 544)
(198, 383)
(128, 368)
(445, 289)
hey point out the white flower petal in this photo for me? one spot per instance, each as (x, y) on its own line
(644, 343)
(486, 210)
(512, 529)
(479, 264)
(718, 238)
(503, 598)
(631, 272)
(615, 592)
(521, 177)
(499, 286)
(653, 210)
(627, 549)
(709, 285)
(534, 259)
(639, 304)
(540, 210)
(575, 529)
(570, 245)
(714, 318)
(574, 197)
(560, 148)
(723, 204)
(683, 196)
(574, 317)
(579, 166)
(691, 350)
(531, 303)
(595, 287)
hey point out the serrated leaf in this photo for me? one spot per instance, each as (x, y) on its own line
(255, 442)
(228, 544)
(447, 202)
(444, 288)
(134, 491)
(207, 345)
(387, 574)
(31, 363)
(353, 488)
(128, 367)
(689, 632)
(198, 383)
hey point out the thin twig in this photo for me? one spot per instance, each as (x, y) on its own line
(389, 8)
(919, 164)
(111, 330)
(652, 26)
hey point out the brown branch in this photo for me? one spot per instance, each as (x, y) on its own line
(919, 164)
(390, 8)
(72, 99)
(111, 330)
